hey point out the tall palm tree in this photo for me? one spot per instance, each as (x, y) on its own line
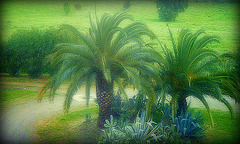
(109, 53)
(192, 69)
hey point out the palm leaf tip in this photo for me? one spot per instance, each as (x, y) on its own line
(41, 93)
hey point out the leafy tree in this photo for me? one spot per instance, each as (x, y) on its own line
(108, 55)
(168, 9)
(192, 69)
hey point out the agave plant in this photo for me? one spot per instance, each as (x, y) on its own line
(192, 69)
(108, 54)
(141, 131)
(190, 126)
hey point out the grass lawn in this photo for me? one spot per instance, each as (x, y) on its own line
(219, 19)
(72, 127)
(17, 90)
(226, 129)
(10, 97)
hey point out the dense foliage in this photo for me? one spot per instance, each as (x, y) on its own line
(26, 51)
(168, 9)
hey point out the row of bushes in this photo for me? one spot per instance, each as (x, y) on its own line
(26, 51)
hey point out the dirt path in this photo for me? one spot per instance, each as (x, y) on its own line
(18, 121)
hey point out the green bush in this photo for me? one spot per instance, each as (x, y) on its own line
(168, 9)
(26, 50)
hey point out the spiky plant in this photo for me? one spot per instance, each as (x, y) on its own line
(192, 69)
(109, 54)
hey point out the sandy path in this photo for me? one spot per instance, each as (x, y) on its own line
(18, 121)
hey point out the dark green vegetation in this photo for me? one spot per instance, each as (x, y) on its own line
(26, 51)
(168, 10)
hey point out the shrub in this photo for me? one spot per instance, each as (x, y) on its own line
(169, 9)
(26, 50)
(66, 8)
(77, 6)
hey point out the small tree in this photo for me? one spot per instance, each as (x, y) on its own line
(66, 8)
(192, 69)
(169, 9)
(108, 55)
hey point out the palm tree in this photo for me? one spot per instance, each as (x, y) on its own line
(108, 54)
(192, 69)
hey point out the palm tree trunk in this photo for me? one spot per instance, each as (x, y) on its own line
(104, 91)
(182, 106)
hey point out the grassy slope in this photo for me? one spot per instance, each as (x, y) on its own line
(217, 18)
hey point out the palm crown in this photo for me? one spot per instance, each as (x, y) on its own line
(108, 54)
(191, 69)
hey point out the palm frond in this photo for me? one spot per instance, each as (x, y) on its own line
(197, 94)
(72, 89)
(90, 79)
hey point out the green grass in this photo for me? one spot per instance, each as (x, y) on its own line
(22, 78)
(18, 90)
(226, 129)
(72, 127)
(219, 19)
(10, 97)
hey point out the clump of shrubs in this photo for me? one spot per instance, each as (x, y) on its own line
(26, 50)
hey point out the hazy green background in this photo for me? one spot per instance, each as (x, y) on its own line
(219, 19)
